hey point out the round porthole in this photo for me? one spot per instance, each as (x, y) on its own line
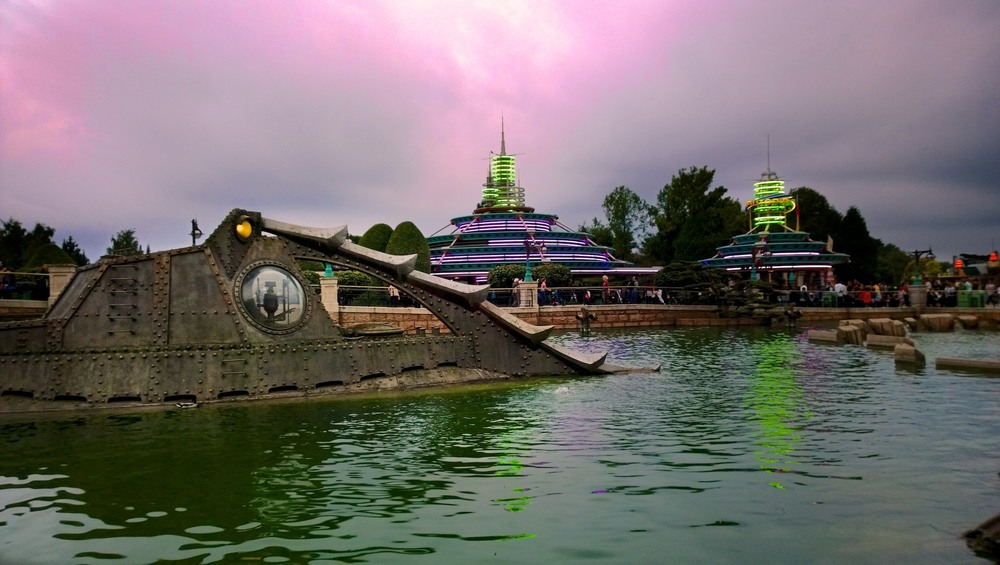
(272, 298)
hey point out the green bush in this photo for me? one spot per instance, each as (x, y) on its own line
(377, 237)
(312, 277)
(48, 254)
(355, 278)
(684, 274)
(502, 276)
(553, 273)
(407, 240)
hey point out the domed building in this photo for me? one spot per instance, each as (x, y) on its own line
(772, 250)
(503, 230)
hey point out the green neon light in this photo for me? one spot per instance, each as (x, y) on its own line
(775, 398)
(501, 188)
(769, 206)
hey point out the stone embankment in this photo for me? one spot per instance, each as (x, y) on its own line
(659, 316)
(886, 333)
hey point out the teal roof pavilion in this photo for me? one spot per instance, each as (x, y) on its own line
(503, 230)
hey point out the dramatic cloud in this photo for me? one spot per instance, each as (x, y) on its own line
(118, 114)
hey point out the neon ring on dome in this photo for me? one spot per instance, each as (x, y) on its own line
(272, 298)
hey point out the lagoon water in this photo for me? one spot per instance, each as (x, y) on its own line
(750, 445)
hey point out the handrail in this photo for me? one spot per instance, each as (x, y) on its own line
(621, 295)
(13, 289)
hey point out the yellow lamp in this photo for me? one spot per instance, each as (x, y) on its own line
(244, 228)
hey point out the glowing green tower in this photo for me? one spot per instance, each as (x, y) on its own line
(501, 190)
(770, 206)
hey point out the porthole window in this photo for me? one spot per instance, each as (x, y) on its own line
(272, 298)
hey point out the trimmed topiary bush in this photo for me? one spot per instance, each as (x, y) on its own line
(377, 237)
(48, 254)
(407, 240)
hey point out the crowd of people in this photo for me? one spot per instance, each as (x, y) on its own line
(853, 294)
(943, 293)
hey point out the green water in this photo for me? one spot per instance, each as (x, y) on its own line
(750, 445)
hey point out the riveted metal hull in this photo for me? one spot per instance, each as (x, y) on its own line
(234, 319)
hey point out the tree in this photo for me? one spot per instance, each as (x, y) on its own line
(124, 243)
(892, 264)
(929, 268)
(406, 239)
(17, 245)
(853, 238)
(815, 215)
(71, 248)
(40, 236)
(13, 239)
(687, 274)
(377, 237)
(693, 219)
(628, 218)
(599, 233)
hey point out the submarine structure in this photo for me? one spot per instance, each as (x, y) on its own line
(234, 318)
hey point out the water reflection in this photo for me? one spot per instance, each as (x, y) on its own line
(891, 466)
(775, 397)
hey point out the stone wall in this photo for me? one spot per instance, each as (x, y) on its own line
(638, 316)
(13, 310)
(407, 318)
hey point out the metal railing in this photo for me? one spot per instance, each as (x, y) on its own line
(24, 286)
(378, 296)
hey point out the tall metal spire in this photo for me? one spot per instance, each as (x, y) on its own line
(503, 143)
(769, 174)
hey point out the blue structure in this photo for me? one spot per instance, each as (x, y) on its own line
(502, 230)
(771, 245)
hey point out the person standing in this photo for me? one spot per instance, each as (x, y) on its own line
(841, 290)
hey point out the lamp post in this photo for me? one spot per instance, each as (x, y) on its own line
(916, 263)
(195, 232)
(527, 262)
(527, 257)
(757, 252)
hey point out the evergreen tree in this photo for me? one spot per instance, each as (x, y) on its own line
(854, 239)
(815, 215)
(72, 249)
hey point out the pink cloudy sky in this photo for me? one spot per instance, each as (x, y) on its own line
(121, 114)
